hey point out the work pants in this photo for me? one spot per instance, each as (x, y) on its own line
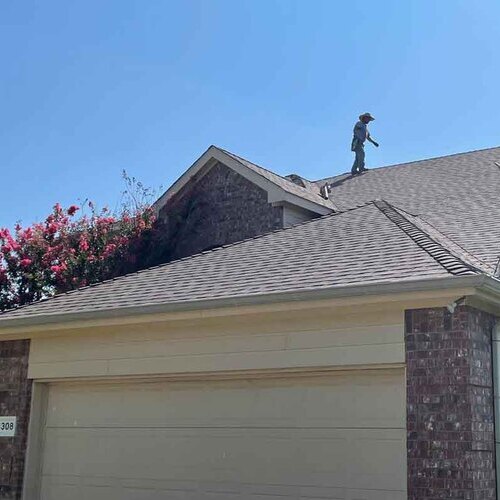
(359, 160)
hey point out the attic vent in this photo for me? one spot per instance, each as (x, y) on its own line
(325, 191)
(497, 163)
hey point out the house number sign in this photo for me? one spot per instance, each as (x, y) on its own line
(8, 426)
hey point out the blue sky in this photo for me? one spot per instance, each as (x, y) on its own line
(91, 87)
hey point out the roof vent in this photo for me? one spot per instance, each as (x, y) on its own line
(497, 163)
(296, 179)
(325, 191)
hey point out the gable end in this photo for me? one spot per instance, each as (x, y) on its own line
(214, 208)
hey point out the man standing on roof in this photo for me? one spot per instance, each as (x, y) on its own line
(361, 134)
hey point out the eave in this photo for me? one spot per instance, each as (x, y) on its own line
(478, 289)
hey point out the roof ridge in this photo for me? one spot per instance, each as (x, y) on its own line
(189, 257)
(257, 165)
(289, 181)
(406, 163)
(452, 263)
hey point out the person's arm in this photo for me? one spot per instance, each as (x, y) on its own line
(369, 138)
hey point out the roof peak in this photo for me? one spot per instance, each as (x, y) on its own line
(408, 163)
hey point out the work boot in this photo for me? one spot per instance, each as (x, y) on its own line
(364, 169)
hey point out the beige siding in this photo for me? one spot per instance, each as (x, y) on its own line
(340, 435)
(292, 340)
(295, 215)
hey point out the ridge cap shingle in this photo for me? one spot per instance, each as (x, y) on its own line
(293, 188)
(438, 250)
(453, 246)
(412, 162)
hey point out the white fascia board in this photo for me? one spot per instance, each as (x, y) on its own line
(282, 198)
(462, 285)
(275, 194)
(183, 179)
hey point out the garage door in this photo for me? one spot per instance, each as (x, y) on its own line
(339, 436)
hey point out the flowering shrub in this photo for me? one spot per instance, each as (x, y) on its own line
(67, 251)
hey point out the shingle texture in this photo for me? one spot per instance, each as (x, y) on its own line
(445, 223)
(458, 194)
(358, 246)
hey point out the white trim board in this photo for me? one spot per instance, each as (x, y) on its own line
(275, 194)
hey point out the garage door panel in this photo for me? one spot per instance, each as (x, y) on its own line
(272, 455)
(271, 438)
(359, 401)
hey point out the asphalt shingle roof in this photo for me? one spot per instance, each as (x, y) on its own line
(441, 218)
(359, 246)
(457, 194)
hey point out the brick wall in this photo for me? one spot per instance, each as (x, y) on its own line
(15, 399)
(450, 416)
(215, 209)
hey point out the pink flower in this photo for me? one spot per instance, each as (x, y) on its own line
(72, 210)
(109, 250)
(27, 233)
(52, 228)
(15, 245)
(58, 269)
(83, 244)
(25, 262)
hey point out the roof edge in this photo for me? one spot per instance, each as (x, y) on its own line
(471, 281)
(172, 262)
(236, 163)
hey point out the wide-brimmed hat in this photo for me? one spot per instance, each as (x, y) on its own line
(366, 115)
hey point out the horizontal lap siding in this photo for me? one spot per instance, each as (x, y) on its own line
(279, 341)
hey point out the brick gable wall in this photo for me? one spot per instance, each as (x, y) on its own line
(214, 209)
(450, 415)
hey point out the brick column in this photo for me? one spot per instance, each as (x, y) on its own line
(15, 400)
(450, 416)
